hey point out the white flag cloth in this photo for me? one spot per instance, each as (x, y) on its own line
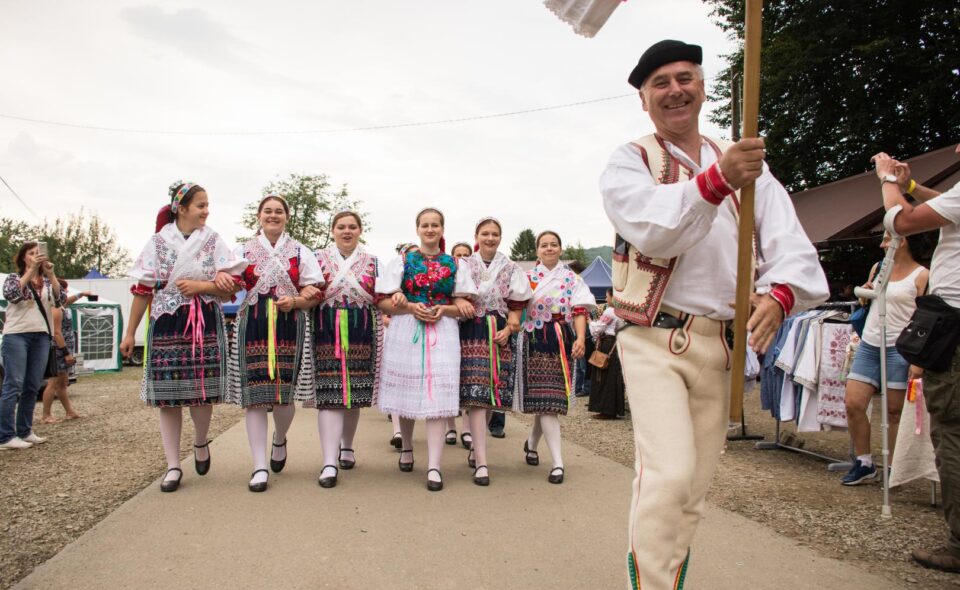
(585, 16)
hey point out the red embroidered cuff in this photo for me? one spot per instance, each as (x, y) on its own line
(784, 296)
(140, 289)
(516, 305)
(580, 311)
(378, 297)
(712, 185)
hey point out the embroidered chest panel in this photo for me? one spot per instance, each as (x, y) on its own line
(551, 296)
(277, 271)
(429, 279)
(167, 298)
(355, 289)
(494, 289)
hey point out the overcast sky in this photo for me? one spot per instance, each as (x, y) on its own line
(218, 66)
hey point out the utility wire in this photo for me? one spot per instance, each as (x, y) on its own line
(312, 131)
(22, 202)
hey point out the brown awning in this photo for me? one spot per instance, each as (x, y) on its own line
(853, 206)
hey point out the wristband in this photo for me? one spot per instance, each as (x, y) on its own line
(912, 187)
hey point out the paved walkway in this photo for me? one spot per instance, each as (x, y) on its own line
(380, 528)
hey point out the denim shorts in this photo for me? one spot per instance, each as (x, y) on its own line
(866, 367)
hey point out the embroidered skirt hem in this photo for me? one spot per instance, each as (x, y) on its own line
(478, 389)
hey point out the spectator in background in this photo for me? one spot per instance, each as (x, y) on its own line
(65, 342)
(908, 279)
(607, 390)
(31, 294)
(941, 389)
(581, 375)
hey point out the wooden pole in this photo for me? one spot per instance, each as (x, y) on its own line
(751, 101)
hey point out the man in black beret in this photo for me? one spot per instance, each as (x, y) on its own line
(671, 197)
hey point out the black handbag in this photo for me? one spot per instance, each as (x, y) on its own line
(930, 338)
(51, 369)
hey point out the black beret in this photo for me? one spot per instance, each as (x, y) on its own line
(660, 54)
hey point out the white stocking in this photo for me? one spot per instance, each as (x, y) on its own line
(534, 439)
(351, 419)
(256, 419)
(330, 423)
(550, 423)
(396, 422)
(171, 424)
(282, 418)
(201, 417)
(478, 426)
(435, 441)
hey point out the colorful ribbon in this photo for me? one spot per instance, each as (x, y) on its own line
(195, 328)
(915, 395)
(341, 348)
(494, 362)
(422, 335)
(564, 363)
(146, 339)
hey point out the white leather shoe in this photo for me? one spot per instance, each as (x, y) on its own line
(15, 443)
(34, 439)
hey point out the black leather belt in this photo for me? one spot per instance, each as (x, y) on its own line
(665, 320)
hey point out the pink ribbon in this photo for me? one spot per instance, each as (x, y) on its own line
(195, 328)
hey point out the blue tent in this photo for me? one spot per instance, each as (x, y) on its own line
(95, 274)
(599, 277)
(230, 308)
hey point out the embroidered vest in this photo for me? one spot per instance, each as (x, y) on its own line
(639, 281)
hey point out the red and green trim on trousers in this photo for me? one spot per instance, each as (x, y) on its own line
(635, 572)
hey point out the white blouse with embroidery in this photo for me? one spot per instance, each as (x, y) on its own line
(555, 292)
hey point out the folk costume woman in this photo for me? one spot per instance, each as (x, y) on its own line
(182, 274)
(487, 345)
(548, 346)
(348, 332)
(420, 376)
(458, 251)
(272, 353)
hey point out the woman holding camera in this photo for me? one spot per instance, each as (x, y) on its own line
(31, 295)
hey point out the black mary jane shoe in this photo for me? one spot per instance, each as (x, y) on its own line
(171, 485)
(202, 467)
(471, 459)
(467, 444)
(328, 482)
(532, 457)
(277, 466)
(405, 467)
(345, 463)
(397, 441)
(450, 440)
(555, 477)
(259, 486)
(481, 481)
(434, 486)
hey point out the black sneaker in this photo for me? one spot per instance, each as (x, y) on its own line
(858, 474)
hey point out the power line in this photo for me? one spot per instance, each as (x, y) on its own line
(22, 202)
(313, 131)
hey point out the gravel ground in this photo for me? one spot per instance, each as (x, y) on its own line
(795, 495)
(52, 493)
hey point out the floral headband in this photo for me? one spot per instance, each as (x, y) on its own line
(179, 195)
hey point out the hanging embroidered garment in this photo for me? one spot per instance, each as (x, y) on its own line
(585, 16)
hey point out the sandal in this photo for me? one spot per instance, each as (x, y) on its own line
(451, 437)
(329, 481)
(345, 463)
(555, 477)
(484, 480)
(202, 467)
(277, 466)
(397, 441)
(434, 486)
(260, 486)
(171, 485)
(405, 467)
(466, 443)
(471, 459)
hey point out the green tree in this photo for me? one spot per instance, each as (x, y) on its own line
(524, 247)
(78, 242)
(842, 81)
(577, 253)
(12, 235)
(313, 203)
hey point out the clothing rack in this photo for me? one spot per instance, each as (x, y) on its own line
(833, 464)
